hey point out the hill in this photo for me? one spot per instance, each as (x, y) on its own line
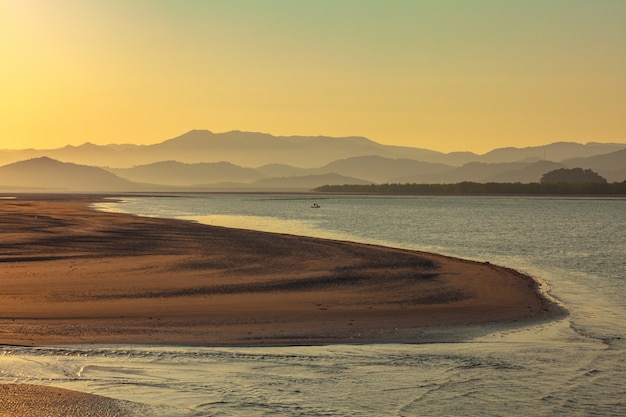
(181, 174)
(558, 152)
(46, 174)
(369, 169)
(307, 182)
(202, 160)
(380, 169)
(249, 149)
(611, 166)
(253, 149)
(572, 176)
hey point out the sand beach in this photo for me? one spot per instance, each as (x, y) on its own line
(72, 275)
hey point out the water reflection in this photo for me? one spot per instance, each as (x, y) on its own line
(268, 224)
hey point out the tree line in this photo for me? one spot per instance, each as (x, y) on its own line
(467, 187)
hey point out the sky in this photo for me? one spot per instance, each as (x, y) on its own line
(447, 75)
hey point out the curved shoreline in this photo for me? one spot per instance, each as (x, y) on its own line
(74, 275)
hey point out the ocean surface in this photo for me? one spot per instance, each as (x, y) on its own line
(575, 366)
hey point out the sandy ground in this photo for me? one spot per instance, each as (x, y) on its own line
(69, 274)
(24, 400)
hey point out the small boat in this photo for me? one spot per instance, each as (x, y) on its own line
(315, 205)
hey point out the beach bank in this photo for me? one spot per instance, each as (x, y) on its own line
(70, 274)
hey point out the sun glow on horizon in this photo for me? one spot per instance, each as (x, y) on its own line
(449, 77)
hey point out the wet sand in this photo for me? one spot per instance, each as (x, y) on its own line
(72, 275)
(24, 400)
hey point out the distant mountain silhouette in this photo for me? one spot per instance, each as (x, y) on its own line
(524, 172)
(472, 171)
(529, 173)
(181, 174)
(241, 148)
(281, 170)
(257, 149)
(368, 168)
(306, 182)
(46, 174)
(298, 183)
(250, 149)
(378, 169)
(202, 160)
(611, 166)
(558, 152)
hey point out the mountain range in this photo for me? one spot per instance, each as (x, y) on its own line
(203, 161)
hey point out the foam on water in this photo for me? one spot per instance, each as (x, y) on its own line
(539, 370)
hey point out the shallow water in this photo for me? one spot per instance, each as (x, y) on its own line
(544, 371)
(575, 366)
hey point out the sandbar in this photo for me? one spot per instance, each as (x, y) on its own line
(73, 275)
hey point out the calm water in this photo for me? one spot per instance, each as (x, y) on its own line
(575, 366)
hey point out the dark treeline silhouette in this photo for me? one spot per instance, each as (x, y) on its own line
(616, 188)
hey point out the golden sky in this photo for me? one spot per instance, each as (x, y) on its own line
(445, 75)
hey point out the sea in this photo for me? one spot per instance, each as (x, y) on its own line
(575, 247)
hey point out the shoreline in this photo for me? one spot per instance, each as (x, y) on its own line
(74, 275)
